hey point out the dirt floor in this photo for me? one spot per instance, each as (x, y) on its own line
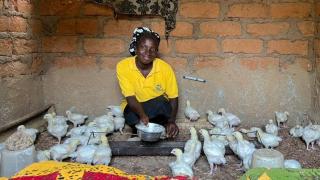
(292, 148)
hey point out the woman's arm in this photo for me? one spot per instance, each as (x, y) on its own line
(136, 107)
(172, 128)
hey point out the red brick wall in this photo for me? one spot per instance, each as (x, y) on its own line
(222, 28)
(20, 60)
(20, 32)
(37, 35)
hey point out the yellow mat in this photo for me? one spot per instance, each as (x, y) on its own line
(72, 170)
(50, 170)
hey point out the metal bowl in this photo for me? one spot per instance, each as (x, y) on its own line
(151, 133)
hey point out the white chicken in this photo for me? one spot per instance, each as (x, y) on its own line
(119, 123)
(85, 154)
(76, 118)
(281, 118)
(233, 120)
(191, 113)
(57, 129)
(56, 119)
(252, 132)
(296, 131)
(103, 153)
(224, 125)
(77, 131)
(217, 119)
(310, 134)
(61, 151)
(59, 119)
(188, 147)
(221, 133)
(82, 138)
(180, 167)
(268, 140)
(292, 164)
(214, 152)
(232, 142)
(244, 150)
(105, 122)
(94, 133)
(271, 128)
(218, 142)
(190, 156)
(43, 155)
(29, 131)
(116, 111)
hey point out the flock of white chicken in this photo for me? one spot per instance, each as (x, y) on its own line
(89, 144)
(223, 134)
(85, 143)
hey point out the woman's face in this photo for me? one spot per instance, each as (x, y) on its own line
(147, 50)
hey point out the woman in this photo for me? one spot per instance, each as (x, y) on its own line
(148, 84)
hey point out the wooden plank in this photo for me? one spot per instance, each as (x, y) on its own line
(141, 148)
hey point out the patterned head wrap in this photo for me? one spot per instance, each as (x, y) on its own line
(137, 33)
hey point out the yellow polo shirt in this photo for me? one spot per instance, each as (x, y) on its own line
(160, 81)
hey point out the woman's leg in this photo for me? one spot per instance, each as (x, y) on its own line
(158, 110)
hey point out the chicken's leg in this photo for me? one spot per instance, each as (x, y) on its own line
(211, 168)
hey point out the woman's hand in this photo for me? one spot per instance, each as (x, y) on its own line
(144, 120)
(172, 129)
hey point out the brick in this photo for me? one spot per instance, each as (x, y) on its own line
(97, 10)
(242, 45)
(6, 47)
(24, 6)
(120, 27)
(176, 63)
(317, 9)
(23, 46)
(75, 62)
(17, 24)
(288, 47)
(66, 26)
(104, 46)
(317, 47)
(304, 64)
(183, 29)
(4, 23)
(77, 26)
(13, 68)
(291, 10)
(220, 28)
(265, 29)
(165, 47)
(196, 46)
(109, 62)
(59, 7)
(159, 27)
(59, 44)
(252, 10)
(87, 26)
(37, 65)
(209, 62)
(199, 10)
(255, 63)
(36, 27)
(306, 28)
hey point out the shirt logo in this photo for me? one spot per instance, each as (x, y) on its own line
(158, 88)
